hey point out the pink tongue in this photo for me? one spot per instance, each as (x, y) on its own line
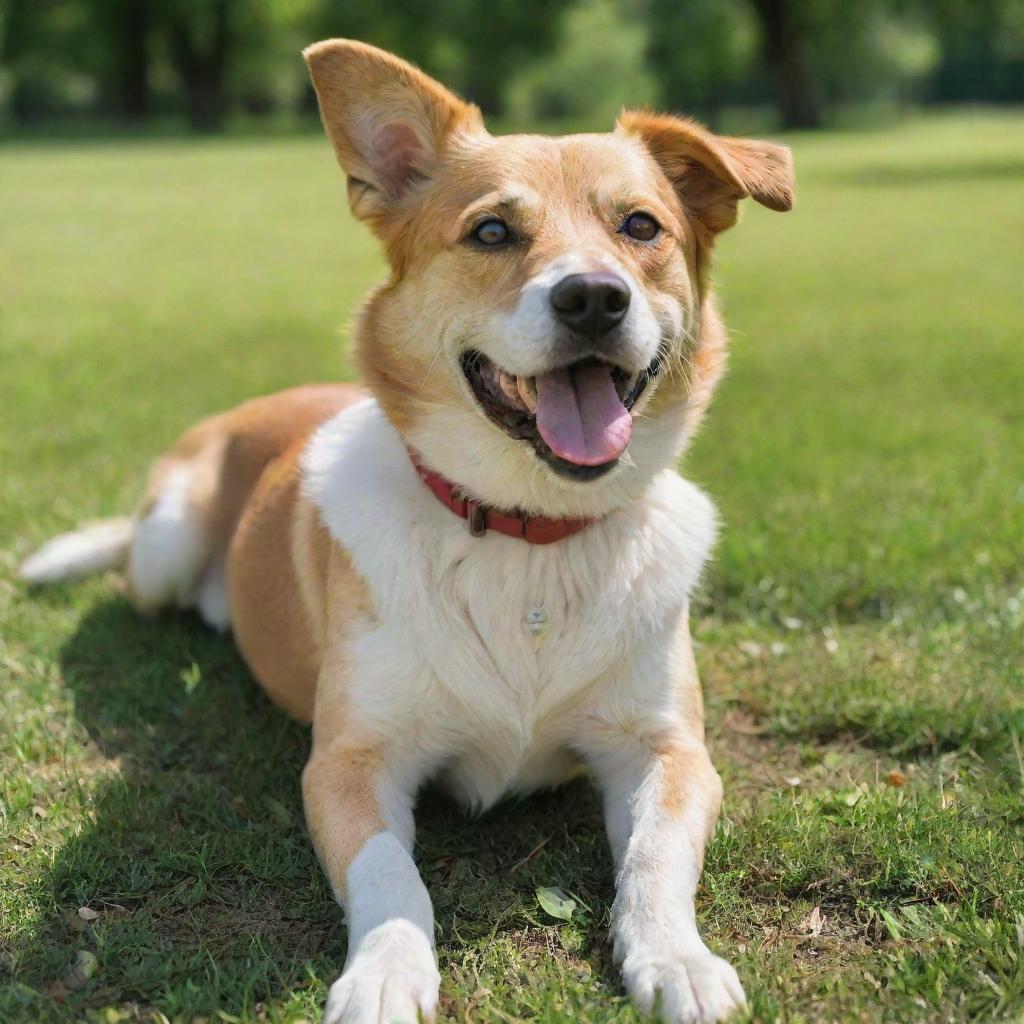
(580, 415)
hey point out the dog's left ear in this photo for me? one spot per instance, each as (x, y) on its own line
(711, 173)
(388, 122)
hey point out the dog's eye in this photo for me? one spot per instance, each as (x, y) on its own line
(641, 226)
(491, 232)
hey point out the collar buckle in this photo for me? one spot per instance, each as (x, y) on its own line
(476, 517)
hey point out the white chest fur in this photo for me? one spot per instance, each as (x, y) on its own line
(487, 652)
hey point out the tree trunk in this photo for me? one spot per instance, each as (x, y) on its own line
(783, 48)
(205, 100)
(204, 69)
(132, 58)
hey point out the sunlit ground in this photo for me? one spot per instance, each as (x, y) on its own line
(860, 631)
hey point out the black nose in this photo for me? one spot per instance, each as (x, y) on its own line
(590, 304)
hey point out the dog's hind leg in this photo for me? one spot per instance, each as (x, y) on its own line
(173, 553)
(212, 597)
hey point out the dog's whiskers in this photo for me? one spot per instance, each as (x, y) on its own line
(430, 368)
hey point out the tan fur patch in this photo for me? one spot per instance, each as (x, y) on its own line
(341, 805)
(292, 590)
(281, 643)
(689, 778)
(338, 782)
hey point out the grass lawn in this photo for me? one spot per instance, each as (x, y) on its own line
(860, 632)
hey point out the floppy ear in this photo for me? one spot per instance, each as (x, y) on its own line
(711, 173)
(388, 122)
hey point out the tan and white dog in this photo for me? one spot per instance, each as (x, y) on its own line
(479, 569)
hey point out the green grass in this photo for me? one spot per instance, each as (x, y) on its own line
(861, 626)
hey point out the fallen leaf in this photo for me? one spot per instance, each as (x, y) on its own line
(39, 812)
(77, 976)
(737, 722)
(555, 902)
(241, 808)
(57, 991)
(814, 922)
(896, 778)
(88, 914)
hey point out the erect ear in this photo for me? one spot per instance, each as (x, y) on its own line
(388, 122)
(711, 173)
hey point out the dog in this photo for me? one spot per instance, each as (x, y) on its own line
(477, 569)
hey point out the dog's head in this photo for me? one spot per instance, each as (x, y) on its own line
(546, 337)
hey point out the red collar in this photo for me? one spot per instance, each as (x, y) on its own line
(532, 529)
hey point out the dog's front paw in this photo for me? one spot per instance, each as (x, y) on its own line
(691, 986)
(391, 979)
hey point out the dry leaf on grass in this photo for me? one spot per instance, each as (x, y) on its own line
(814, 923)
(57, 992)
(241, 808)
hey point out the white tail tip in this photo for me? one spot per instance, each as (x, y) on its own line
(93, 548)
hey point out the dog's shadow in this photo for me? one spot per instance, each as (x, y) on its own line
(193, 851)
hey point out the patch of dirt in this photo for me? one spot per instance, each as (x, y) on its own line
(222, 924)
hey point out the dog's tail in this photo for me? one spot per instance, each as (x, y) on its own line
(94, 547)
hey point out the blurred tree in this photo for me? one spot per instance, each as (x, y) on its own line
(206, 58)
(597, 70)
(786, 28)
(124, 25)
(701, 51)
(495, 38)
(476, 46)
(51, 53)
(210, 42)
(200, 38)
(982, 49)
(810, 54)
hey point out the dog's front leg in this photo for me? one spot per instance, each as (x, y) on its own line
(662, 796)
(360, 820)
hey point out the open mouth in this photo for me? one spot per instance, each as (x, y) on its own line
(578, 418)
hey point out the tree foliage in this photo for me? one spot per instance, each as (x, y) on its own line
(202, 60)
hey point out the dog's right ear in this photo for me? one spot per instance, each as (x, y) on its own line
(388, 122)
(712, 173)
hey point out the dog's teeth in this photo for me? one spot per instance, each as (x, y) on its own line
(527, 388)
(509, 389)
(507, 383)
